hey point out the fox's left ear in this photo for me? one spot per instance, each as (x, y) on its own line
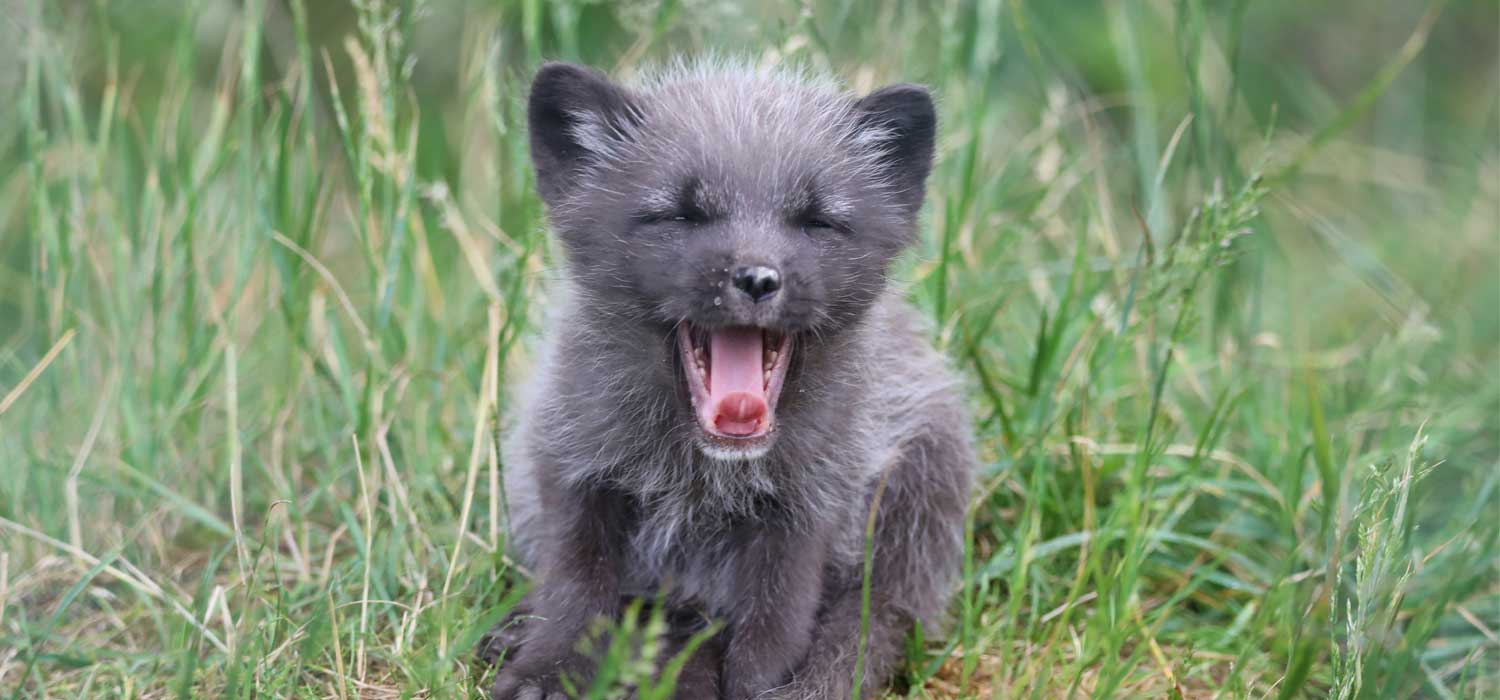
(576, 116)
(904, 123)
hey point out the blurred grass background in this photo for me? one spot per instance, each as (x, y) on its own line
(1222, 275)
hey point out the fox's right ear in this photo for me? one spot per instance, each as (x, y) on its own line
(576, 117)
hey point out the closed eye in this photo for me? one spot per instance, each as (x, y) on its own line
(815, 212)
(820, 222)
(681, 212)
(680, 216)
(684, 206)
(817, 222)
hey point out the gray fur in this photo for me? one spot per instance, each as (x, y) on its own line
(614, 492)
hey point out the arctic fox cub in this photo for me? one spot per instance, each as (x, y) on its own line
(729, 385)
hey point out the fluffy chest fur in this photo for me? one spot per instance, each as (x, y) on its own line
(598, 417)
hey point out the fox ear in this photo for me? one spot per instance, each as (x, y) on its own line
(575, 116)
(902, 123)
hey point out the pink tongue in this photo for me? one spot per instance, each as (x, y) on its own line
(736, 390)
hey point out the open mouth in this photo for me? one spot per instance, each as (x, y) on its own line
(734, 378)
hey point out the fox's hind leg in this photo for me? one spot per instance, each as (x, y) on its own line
(918, 550)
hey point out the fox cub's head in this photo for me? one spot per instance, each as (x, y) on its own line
(746, 214)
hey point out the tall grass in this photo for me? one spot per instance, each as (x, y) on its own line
(1221, 278)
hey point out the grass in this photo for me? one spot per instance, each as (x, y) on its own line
(1221, 276)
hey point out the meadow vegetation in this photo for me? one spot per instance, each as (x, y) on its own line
(1221, 277)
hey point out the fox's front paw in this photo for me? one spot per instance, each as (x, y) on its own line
(528, 678)
(532, 689)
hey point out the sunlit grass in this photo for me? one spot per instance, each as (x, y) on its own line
(265, 286)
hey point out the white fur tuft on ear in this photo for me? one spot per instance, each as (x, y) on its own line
(901, 122)
(577, 117)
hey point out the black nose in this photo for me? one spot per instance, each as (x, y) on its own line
(759, 281)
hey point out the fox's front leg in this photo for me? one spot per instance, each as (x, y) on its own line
(583, 550)
(777, 583)
(917, 554)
